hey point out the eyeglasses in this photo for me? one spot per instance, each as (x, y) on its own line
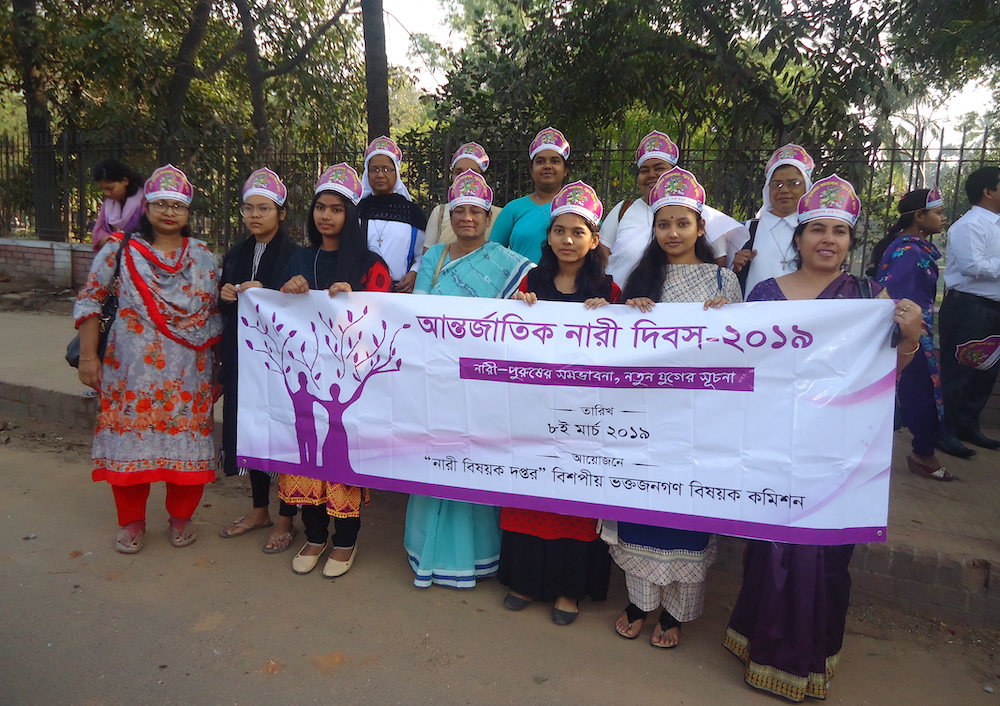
(169, 207)
(791, 184)
(249, 210)
(381, 170)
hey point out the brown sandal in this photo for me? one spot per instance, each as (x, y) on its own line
(922, 469)
(238, 528)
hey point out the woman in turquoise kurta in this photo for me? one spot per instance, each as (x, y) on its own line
(453, 543)
(523, 224)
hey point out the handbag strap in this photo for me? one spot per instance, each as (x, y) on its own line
(118, 265)
(437, 270)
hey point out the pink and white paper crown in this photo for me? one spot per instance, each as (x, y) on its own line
(168, 182)
(264, 182)
(343, 179)
(549, 139)
(578, 198)
(473, 151)
(470, 187)
(934, 199)
(981, 354)
(830, 198)
(790, 155)
(384, 145)
(656, 145)
(678, 187)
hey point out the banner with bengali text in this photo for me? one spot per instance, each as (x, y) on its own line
(770, 420)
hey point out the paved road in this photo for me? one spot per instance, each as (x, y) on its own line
(222, 623)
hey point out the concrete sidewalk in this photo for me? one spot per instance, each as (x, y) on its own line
(943, 542)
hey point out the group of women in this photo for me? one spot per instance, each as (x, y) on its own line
(365, 233)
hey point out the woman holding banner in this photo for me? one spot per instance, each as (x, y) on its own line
(454, 543)
(546, 556)
(788, 623)
(338, 260)
(258, 261)
(666, 568)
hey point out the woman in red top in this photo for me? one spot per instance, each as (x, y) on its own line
(543, 555)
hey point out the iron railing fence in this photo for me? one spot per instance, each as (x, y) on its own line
(218, 164)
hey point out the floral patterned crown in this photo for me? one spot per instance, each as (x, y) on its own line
(981, 355)
(578, 198)
(343, 179)
(549, 139)
(383, 145)
(656, 145)
(473, 151)
(934, 199)
(790, 155)
(830, 198)
(168, 182)
(264, 182)
(678, 187)
(469, 187)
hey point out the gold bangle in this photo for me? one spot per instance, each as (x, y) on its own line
(93, 357)
(913, 351)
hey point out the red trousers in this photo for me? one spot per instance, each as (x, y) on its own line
(130, 500)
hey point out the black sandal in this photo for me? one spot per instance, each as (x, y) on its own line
(666, 621)
(633, 613)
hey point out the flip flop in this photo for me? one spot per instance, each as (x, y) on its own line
(633, 613)
(666, 622)
(178, 526)
(241, 528)
(287, 537)
(129, 542)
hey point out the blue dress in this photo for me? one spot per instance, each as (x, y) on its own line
(448, 542)
(522, 226)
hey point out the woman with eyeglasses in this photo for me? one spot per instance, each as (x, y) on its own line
(258, 261)
(770, 251)
(155, 418)
(395, 226)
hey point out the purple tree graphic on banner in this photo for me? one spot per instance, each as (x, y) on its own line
(360, 355)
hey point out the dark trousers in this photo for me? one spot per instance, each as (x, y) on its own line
(917, 406)
(317, 522)
(965, 317)
(260, 487)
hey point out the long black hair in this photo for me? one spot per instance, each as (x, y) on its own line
(590, 278)
(650, 273)
(113, 170)
(354, 258)
(909, 205)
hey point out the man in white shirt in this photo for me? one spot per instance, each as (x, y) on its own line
(970, 314)
(769, 252)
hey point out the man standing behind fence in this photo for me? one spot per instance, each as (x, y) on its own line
(970, 315)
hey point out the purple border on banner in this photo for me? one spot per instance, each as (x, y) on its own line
(530, 373)
(735, 528)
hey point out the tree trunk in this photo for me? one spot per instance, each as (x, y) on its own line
(376, 68)
(255, 79)
(180, 83)
(45, 186)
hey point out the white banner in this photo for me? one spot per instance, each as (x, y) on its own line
(770, 420)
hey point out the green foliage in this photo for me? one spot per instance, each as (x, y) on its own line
(108, 67)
